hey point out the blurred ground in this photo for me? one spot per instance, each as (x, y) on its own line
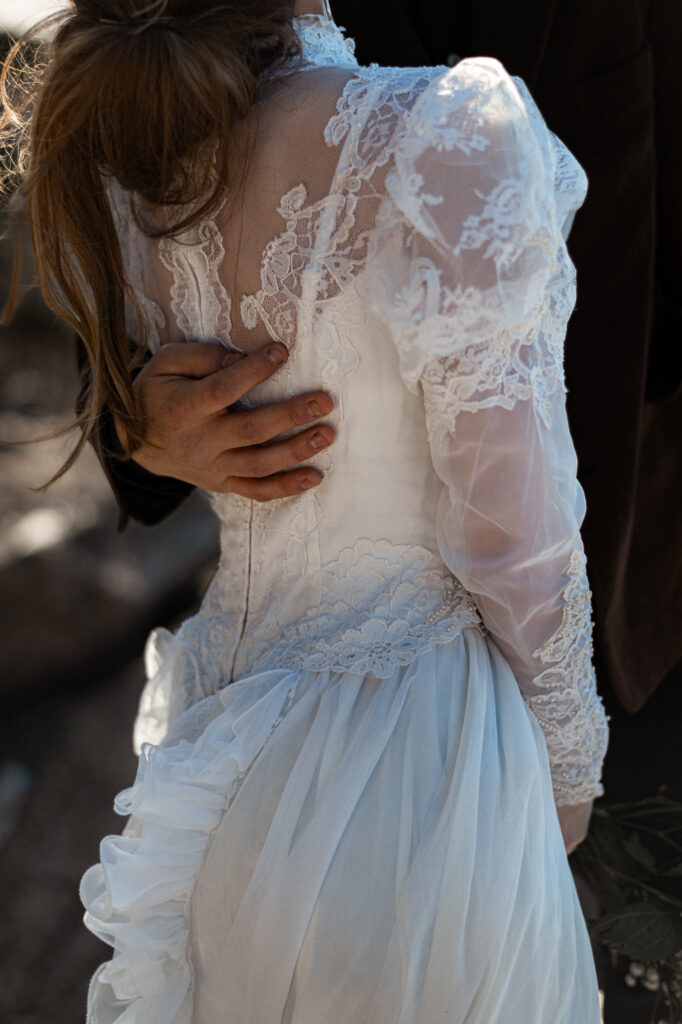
(77, 749)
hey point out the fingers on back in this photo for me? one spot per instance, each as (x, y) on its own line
(194, 359)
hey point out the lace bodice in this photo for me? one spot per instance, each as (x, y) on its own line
(414, 262)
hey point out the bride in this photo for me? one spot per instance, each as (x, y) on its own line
(352, 757)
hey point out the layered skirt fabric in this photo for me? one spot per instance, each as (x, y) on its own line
(328, 848)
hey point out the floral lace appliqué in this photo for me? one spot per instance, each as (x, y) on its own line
(566, 703)
(322, 45)
(134, 246)
(379, 605)
(200, 302)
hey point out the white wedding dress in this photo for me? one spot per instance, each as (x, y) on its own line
(349, 758)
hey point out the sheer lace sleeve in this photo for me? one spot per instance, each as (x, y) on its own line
(472, 275)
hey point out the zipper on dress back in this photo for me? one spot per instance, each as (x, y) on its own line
(247, 593)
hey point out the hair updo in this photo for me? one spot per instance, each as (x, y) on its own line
(139, 91)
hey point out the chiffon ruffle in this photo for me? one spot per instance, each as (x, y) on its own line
(137, 897)
(309, 847)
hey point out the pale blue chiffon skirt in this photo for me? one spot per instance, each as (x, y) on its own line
(326, 848)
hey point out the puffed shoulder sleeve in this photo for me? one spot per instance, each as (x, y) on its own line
(469, 270)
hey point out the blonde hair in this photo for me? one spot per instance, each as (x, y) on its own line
(135, 91)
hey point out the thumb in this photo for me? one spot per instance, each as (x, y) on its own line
(196, 359)
(230, 359)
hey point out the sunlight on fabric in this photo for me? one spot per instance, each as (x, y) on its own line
(16, 16)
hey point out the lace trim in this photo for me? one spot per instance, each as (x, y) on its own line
(320, 237)
(378, 606)
(503, 313)
(200, 302)
(278, 302)
(322, 45)
(207, 305)
(495, 366)
(133, 242)
(498, 372)
(567, 706)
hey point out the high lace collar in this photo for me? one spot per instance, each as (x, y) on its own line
(322, 44)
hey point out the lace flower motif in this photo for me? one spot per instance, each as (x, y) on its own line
(379, 606)
(567, 706)
(292, 202)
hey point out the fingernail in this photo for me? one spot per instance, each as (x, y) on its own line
(310, 481)
(314, 408)
(318, 440)
(276, 354)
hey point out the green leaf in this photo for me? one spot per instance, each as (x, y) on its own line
(646, 931)
(658, 818)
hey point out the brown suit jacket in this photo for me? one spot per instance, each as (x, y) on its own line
(608, 79)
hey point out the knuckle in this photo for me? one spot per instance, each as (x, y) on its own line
(301, 448)
(216, 389)
(248, 430)
(256, 490)
(232, 485)
(271, 488)
(216, 354)
(256, 368)
(260, 464)
(165, 357)
(297, 413)
(159, 359)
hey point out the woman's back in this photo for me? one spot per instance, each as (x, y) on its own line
(400, 231)
(344, 810)
(288, 260)
(351, 800)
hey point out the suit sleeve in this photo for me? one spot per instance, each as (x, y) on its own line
(140, 495)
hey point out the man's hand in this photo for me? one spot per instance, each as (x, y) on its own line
(574, 820)
(184, 391)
